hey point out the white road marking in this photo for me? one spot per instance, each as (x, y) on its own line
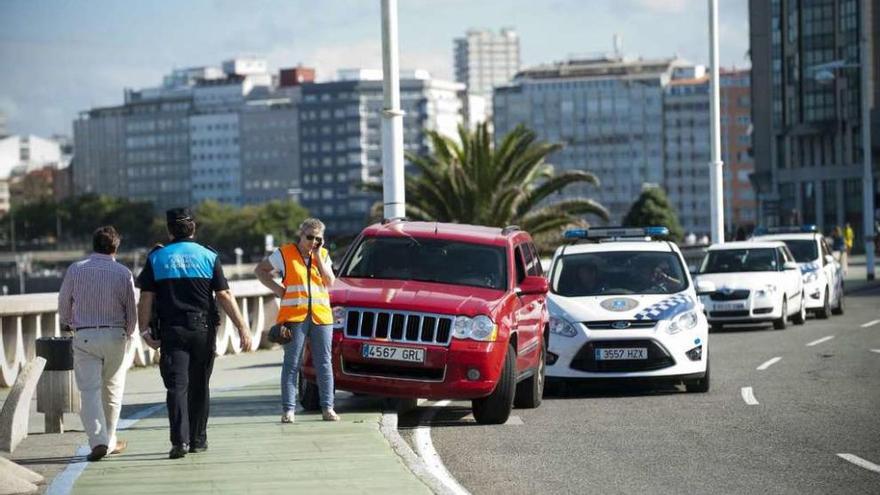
(858, 461)
(876, 350)
(425, 449)
(819, 341)
(870, 323)
(748, 396)
(769, 363)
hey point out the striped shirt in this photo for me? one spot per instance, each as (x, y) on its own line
(96, 292)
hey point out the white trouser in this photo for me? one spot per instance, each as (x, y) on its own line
(99, 366)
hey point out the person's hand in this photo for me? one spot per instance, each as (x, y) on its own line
(150, 341)
(244, 337)
(279, 292)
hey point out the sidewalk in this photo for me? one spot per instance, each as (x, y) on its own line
(249, 449)
(856, 275)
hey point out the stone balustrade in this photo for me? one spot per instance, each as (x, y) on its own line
(25, 318)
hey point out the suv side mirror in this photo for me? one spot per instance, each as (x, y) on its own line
(790, 265)
(533, 284)
(704, 288)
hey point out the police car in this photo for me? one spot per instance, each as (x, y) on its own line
(823, 276)
(753, 282)
(622, 305)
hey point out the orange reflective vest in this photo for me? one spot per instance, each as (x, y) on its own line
(303, 285)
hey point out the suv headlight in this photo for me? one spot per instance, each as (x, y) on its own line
(810, 277)
(562, 327)
(338, 317)
(477, 328)
(684, 321)
(767, 291)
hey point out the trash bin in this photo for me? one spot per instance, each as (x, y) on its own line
(56, 392)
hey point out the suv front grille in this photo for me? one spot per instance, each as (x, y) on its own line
(658, 357)
(609, 324)
(730, 296)
(398, 326)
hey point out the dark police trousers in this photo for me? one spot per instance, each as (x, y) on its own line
(186, 363)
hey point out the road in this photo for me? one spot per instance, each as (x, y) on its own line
(783, 435)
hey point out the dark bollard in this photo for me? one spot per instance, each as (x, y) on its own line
(57, 392)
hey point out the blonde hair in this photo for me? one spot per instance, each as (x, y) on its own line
(311, 223)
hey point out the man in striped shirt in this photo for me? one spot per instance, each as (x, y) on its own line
(97, 302)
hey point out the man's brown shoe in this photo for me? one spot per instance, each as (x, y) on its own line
(98, 452)
(120, 446)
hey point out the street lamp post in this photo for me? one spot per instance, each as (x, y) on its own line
(867, 170)
(392, 117)
(716, 166)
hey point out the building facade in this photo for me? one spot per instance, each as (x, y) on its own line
(340, 139)
(23, 155)
(484, 59)
(807, 109)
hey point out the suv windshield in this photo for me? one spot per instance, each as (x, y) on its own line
(618, 272)
(740, 260)
(429, 260)
(803, 251)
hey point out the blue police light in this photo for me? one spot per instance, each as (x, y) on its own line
(615, 232)
(575, 234)
(656, 231)
(787, 229)
(810, 227)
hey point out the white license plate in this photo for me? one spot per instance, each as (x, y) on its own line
(619, 353)
(729, 306)
(408, 354)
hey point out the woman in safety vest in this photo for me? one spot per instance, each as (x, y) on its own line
(306, 276)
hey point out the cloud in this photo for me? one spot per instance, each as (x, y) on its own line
(665, 6)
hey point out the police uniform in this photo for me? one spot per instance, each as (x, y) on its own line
(184, 276)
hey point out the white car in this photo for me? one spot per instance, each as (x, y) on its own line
(624, 306)
(823, 275)
(753, 282)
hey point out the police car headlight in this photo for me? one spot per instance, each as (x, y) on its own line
(478, 328)
(684, 321)
(811, 277)
(562, 327)
(338, 317)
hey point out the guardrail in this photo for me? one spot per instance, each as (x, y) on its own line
(25, 318)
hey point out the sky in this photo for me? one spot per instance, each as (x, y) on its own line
(61, 57)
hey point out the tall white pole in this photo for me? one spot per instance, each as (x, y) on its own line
(716, 166)
(392, 117)
(867, 172)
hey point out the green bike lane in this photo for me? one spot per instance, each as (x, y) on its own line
(251, 451)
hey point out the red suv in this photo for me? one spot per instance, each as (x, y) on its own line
(441, 311)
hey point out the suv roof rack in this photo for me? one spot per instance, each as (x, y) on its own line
(509, 229)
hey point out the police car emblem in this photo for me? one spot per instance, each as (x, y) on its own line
(619, 304)
(620, 325)
(726, 290)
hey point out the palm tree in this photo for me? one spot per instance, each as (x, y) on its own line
(472, 181)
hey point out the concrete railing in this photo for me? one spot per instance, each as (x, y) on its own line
(25, 318)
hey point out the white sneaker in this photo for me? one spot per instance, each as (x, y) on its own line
(330, 415)
(287, 417)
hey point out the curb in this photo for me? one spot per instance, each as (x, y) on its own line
(388, 427)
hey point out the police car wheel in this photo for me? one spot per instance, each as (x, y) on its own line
(699, 385)
(782, 321)
(308, 394)
(494, 409)
(801, 317)
(838, 310)
(826, 306)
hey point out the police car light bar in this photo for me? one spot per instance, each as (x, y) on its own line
(615, 232)
(790, 229)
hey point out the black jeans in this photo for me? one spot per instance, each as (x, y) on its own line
(186, 363)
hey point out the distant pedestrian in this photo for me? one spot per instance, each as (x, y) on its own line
(182, 278)
(306, 276)
(848, 237)
(97, 302)
(839, 247)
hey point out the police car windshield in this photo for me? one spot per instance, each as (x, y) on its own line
(740, 260)
(428, 260)
(804, 251)
(618, 272)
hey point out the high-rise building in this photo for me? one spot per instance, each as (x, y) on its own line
(609, 113)
(687, 153)
(807, 109)
(340, 138)
(484, 59)
(226, 133)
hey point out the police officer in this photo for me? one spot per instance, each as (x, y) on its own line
(182, 278)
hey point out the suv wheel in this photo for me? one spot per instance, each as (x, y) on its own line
(495, 408)
(782, 322)
(826, 306)
(699, 385)
(530, 391)
(801, 317)
(308, 394)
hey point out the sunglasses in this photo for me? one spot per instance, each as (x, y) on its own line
(314, 238)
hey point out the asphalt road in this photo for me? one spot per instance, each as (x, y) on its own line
(814, 403)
